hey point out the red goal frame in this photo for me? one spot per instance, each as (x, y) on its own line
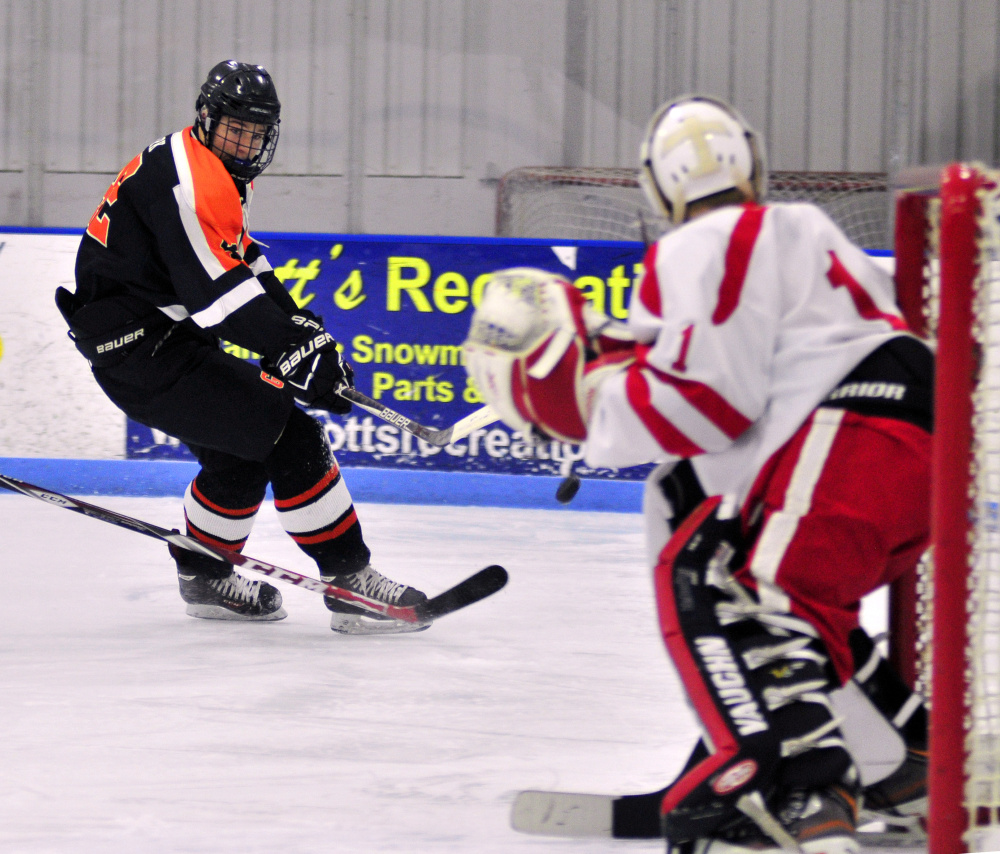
(956, 197)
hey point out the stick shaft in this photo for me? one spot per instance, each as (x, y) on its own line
(459, 430)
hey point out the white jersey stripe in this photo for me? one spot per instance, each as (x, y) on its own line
(781, 526)
(317, 514)
(175, 312)
(228, 303)
(259, 266)
(195, 235)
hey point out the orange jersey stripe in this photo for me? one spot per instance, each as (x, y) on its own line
(216, 202)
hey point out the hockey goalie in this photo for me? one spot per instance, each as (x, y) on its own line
(767, 369)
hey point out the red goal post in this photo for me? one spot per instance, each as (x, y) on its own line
(947, 248)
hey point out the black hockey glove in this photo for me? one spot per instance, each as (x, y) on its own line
(314, 368)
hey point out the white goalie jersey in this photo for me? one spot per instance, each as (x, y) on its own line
(747, 318)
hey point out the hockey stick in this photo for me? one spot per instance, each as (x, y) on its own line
(477, 586)
(459, 430)
(581, 815)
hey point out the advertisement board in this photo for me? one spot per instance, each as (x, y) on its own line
(401, 307)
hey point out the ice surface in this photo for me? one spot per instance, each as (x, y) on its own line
(128, 726)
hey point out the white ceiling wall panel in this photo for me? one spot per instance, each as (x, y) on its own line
(469, 89)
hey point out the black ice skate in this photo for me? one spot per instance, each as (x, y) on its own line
(899, 802)
(818, 821)
(354, 620)
(230, 598)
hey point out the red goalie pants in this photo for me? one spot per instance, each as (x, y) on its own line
(843, 508)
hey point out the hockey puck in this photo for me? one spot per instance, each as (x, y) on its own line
(568, 489)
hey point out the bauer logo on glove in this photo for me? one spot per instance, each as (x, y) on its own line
(537, 352)
(289, 362)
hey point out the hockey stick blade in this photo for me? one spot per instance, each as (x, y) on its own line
(477, 586)
(484, 583)
(585, 815)
(445, 436)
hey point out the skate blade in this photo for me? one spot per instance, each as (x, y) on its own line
(825, 845)
(360, 624)
(877, 829)
(217, 612)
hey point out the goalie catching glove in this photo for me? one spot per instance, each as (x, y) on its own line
(538, 352)
(313, 369)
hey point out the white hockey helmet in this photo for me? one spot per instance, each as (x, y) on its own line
(695, 147)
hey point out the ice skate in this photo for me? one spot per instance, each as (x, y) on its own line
(354, 620)
(819, 821)
(896, 807)
(230, 598)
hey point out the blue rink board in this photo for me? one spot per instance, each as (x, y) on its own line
(368, 485)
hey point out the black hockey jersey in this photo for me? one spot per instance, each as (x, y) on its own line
(171, 236)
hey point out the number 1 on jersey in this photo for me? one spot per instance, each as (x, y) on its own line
(680, 364)
(100, 222)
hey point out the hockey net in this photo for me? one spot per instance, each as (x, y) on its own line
(948, 279)
(559, 203)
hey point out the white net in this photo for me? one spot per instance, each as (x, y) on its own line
(561, 203)
(983, 786)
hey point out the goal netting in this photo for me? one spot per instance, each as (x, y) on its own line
(559, 203)
(948, 276)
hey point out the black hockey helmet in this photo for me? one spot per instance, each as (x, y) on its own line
(245, 92)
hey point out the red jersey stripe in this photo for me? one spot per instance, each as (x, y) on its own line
(707, 401)
(666, 434)
(649, 287)
(303, 497)
(840, 277)
(738, 253)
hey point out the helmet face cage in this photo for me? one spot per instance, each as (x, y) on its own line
(245, 142)
(695, 147)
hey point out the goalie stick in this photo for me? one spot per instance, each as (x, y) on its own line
(576, 814)
(445, 436)
(477, 586)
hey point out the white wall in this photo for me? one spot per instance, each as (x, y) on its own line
(50, 405)
(400, 115)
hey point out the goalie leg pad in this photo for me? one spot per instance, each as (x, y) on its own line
(742, 745)
(758, 681)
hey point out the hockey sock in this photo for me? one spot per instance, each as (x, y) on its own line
(312, 499)
(220, 506)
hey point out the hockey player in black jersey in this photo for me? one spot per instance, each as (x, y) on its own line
(165, 270)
